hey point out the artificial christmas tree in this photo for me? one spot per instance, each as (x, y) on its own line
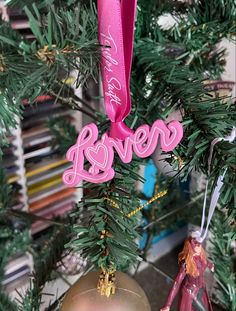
(169, 67)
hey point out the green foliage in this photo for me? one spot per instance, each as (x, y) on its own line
(167, 81)
(5, 192)
(30, 300)
(65, 40)
(42, 4)
(13, 240)
(6, 303)
(11, 69)
(169, 68)
(97, 214)
(213, 10)
(197, 32)
(46, 261)
(171, 204)
(64, 134)
(224, 233)
(106, 235)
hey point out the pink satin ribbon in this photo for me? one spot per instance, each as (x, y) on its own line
(116, 33)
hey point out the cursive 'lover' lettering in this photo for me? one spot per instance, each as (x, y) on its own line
(100, 153)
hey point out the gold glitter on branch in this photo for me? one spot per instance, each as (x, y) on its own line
(113, 203)
(104, 234)
(48, 55)
(106, 285)
(2, 63)
(138, 209)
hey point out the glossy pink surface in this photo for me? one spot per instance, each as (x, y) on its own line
(100, 153)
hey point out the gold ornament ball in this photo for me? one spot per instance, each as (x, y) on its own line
(84, 296)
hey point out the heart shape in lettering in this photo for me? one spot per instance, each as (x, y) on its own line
(97, 156)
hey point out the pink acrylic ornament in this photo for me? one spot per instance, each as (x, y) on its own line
(100, 153)
(116, 30)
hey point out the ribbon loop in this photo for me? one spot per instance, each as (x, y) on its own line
(120, 130)
(116, 31)
(202, 234)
